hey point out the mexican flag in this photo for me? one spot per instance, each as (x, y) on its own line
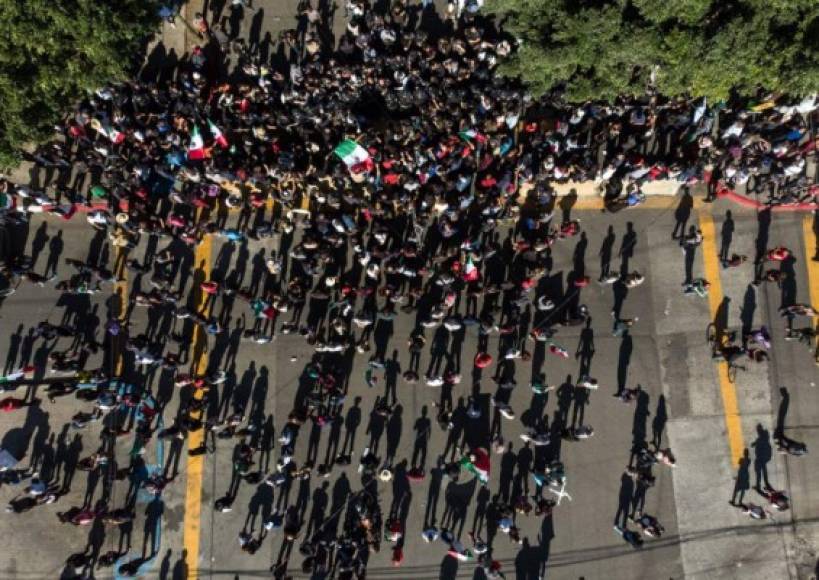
(196, 148)
(114, 135)
(218, 136)
(479, 465)
(468, 134)
(471, 272)
(472, 135)
(354, 156)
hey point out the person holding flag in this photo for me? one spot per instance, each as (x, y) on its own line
(218, 137)
(478, 463)
(196, 147)
(355, 157)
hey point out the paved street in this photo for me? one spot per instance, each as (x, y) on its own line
(705, 537)
(686, 403)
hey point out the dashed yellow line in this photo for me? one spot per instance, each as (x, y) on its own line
(811, 247)
(195, 464)
(730, 403)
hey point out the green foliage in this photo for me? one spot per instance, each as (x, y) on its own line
(599, 49)
(55, 50)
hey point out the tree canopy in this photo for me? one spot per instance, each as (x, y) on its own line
(599, 49)
(55, 50)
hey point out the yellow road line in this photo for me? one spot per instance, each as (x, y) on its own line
(195, 464)
(121, 290)
(730, 404)
(811, 247)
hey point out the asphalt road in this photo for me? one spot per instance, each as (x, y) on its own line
(705, 537)
(708, 420)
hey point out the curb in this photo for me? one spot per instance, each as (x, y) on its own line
(727, 193)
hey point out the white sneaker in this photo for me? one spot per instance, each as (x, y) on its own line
(512, 353)
(507, 412)
(435, 381)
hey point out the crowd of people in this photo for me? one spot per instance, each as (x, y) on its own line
(395, 175)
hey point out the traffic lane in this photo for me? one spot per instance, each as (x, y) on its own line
(44, 430)
(599, 306)
(697, 423)
(289, 380)
(793, 380)
(595, 466)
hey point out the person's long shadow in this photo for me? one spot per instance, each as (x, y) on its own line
(259, 397)
(237, 14)
(746, 313)
(620, 292)
(566, 203)
(261, 503)
(682, 214)
(782, 413)
(507, 472)
(815, 257)
(154, 63)
(781, 417)
(255, 32)
(763, 453)
(436, 478)
(449, 568)
(527, 561)
(547, 534)
(624, 500)
(721, 319)
(763, 219)
(787, 282)
(223, 260)
(16, 441)
(627, 248)
(623, 361)
(394, 428)
(242, 391)
(69, 460)
(585, 350)
(15, 342)
(726, 236)
(165, 565)
(38, 243)
(180, 569)
(579, 255)
(431, 22)
(641, 414)
(658, 424)
(742, 481)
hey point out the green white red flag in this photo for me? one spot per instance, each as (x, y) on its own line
(196, 148)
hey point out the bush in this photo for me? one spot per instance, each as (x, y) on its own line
(599, 49)
(55, 50)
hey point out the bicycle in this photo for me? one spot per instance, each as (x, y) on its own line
(723, 349)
